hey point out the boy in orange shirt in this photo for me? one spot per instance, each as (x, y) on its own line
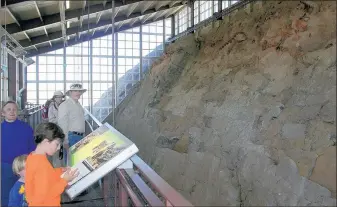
(44, 184)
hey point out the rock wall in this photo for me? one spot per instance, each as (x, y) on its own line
(244, 111)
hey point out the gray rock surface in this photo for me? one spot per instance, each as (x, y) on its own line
(248, 120)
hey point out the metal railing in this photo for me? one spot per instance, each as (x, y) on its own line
(32, 114)
(137, 186)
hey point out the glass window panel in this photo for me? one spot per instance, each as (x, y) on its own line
(96, 86)
(59, 68)
(96, 61)
(43, 95)
(42, 60)
(104, 43)
(69, 60)
(51, 76)
(42, 76)
(128, 52)
(96, 43)
(121, 69)
(135, 45)
(59, 76)
(135, 61)
(104, 69)
(121, 61)
(121, 44)
(51, 69)
(159, 38)
(121, 52)
(146, 45)
(31, 76)
(135, 37)
(128, 37)
(153, 45)
(70, 69)
(104, 77)
(96, 76)
(128, 61)
(146, 38)
(85, 76)
(145, 52)
(31, 86)
(70, 77)
(50, 60)
(136, 29)
(109, 51)
(42, 86)
(31, 68)
(146, 28)
(59, 86)
(136, 52)
(85, 61)
(42, 68)
(51, 87)
(96, 68)
(31, 94)
(152, 38)
(96, 95)
(121, 36)
(96, 51)
(128, 44)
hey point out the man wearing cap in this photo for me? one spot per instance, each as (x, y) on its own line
(71, 117)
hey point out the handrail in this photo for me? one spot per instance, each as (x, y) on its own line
(128, 183)
(32, 114)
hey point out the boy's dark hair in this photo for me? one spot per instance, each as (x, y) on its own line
(49, 131)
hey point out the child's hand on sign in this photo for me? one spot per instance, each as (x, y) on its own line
(70, 174)
(65, 169)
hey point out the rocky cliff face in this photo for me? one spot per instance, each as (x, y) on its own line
(244, 111)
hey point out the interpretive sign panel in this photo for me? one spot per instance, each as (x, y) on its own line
(96, 155)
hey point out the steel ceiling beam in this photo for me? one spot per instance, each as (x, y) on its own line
(63, 21)
(160, 4)
(69, 14)
(74, 30)
(13, 17)
(38, 11)
(84, 38)
(132, 8)
(149, 4)
(11, 2)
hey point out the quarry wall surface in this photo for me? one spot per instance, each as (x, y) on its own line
(243, 112)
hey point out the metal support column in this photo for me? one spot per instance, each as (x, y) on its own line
(113, 101)
(90, 78)
(37, 80)
(116, 71)
(140, 52)
(164, 35)
(219, 5)
(191, 5)
(17, 78)
(64, 70)
(173, 24)
(199, 12)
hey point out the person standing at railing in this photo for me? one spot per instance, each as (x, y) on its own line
(71, 118)
(17, 138)
(52, 117)
(54, 106)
